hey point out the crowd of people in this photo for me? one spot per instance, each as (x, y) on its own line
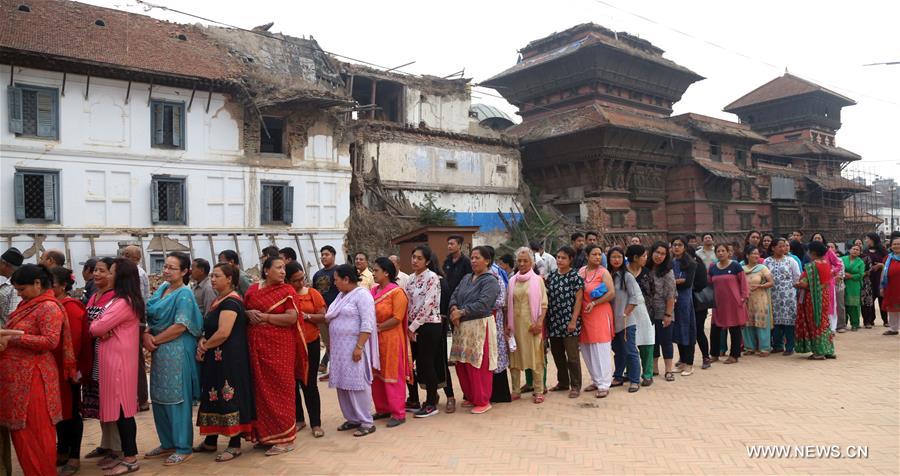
(247, 355)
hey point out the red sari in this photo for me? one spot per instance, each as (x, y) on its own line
(278, 359)
(29, 396)
(813, 327)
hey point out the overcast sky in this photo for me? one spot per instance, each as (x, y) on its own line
(827, 42)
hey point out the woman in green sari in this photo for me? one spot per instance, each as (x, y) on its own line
(174, 324)
(854, 268)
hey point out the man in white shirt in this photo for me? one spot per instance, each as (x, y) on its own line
(707, 252)
(402, 277)
(366, 279)
(9, 298)
(545, 262)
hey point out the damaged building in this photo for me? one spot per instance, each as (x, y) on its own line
(600, 143)
(418, 138)
(169, 136)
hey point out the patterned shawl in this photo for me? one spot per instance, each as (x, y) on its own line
(270, 297)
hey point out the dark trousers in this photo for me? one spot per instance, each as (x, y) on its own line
(567, 360)
(5, 453)
(500, 388)
(69, 432)
(664, 336)
(127, 433)
(626, 355)
(686, 354)
(431, 361)
(233, 442)
(715, 334)
(310, 391)
(702, 341)
(783, 337)
(142, 391)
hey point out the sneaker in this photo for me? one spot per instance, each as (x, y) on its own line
(395, 422)
(890, 333)
(426, 412)
(481, 409)
(413, 407)
(706, 364)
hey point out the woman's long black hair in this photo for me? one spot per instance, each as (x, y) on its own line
(127, 285)
(618, 274)
(663, 267)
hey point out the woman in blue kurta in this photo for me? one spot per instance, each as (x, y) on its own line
(174, 324)
(684, 333)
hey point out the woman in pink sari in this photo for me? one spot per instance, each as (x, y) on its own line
(837, 269)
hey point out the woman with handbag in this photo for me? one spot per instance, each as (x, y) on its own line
(598, 323)
(704, 300)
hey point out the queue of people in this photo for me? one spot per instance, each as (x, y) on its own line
(249, 353)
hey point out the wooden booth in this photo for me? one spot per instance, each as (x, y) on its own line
(435, 237)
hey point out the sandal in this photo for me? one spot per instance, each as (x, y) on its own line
(175, 459)
(123, 467)
(97, 453)
(574, 393)
(558, 388)
(731, 360)
(279, 450)
(318, 432)
(109, 461)
(670, 377)
(158, 452)
(363, 431)
(602, 393)
(646, 382)
(228, 455)
(68, 469)
(467, 404)
(378, 416)
(515, 396)
(347, 426)
(449, 408)
(537, 398)
(301, 425)
(590, 388)
(816, 357)
(634, 387)
(202, 448)
(617, 382)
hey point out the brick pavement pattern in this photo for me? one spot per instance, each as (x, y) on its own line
(701, 424)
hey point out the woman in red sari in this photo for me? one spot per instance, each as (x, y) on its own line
(395, 371)
(29, 397)
(277, 357)
(813, 327)
(70, 430)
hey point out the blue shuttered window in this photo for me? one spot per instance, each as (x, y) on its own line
(168, 200)
(33, 111)
(36, 196)
(276, 203)
(167, 124)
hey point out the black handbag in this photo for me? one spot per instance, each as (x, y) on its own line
(705, 298)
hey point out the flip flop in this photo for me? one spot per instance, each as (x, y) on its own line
(97, 452)
(670, 377)
(158, 452)
(279, 450)
(363, 431)
(122, 468)
(202, 448)
(232, 454)
(317, 432)
(68, 470)
(175, 459)
(347, 426)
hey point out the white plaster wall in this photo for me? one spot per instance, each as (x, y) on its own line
(438, 112)
(106, 165)
(428, 164)
(466, 202)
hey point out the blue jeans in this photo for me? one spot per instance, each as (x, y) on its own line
(783, 337)
(626, 355)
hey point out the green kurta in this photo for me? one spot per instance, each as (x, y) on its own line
(853, 285)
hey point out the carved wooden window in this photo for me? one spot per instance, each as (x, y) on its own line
(718, 213)
(746, 220)
(36, 196)
(168, 198)
(617, 219)
(715, 151)
(746, 193)
(277, 203)
(644, 218)
(33, 111)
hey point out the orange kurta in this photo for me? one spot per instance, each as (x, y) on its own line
(598, 326)
(393, 347)
(310, 303)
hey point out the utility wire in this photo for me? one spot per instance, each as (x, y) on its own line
(149, 6)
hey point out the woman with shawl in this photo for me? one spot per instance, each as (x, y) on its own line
(526, 306)
(173, 323)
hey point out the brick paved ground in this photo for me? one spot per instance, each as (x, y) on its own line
(697, 424)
